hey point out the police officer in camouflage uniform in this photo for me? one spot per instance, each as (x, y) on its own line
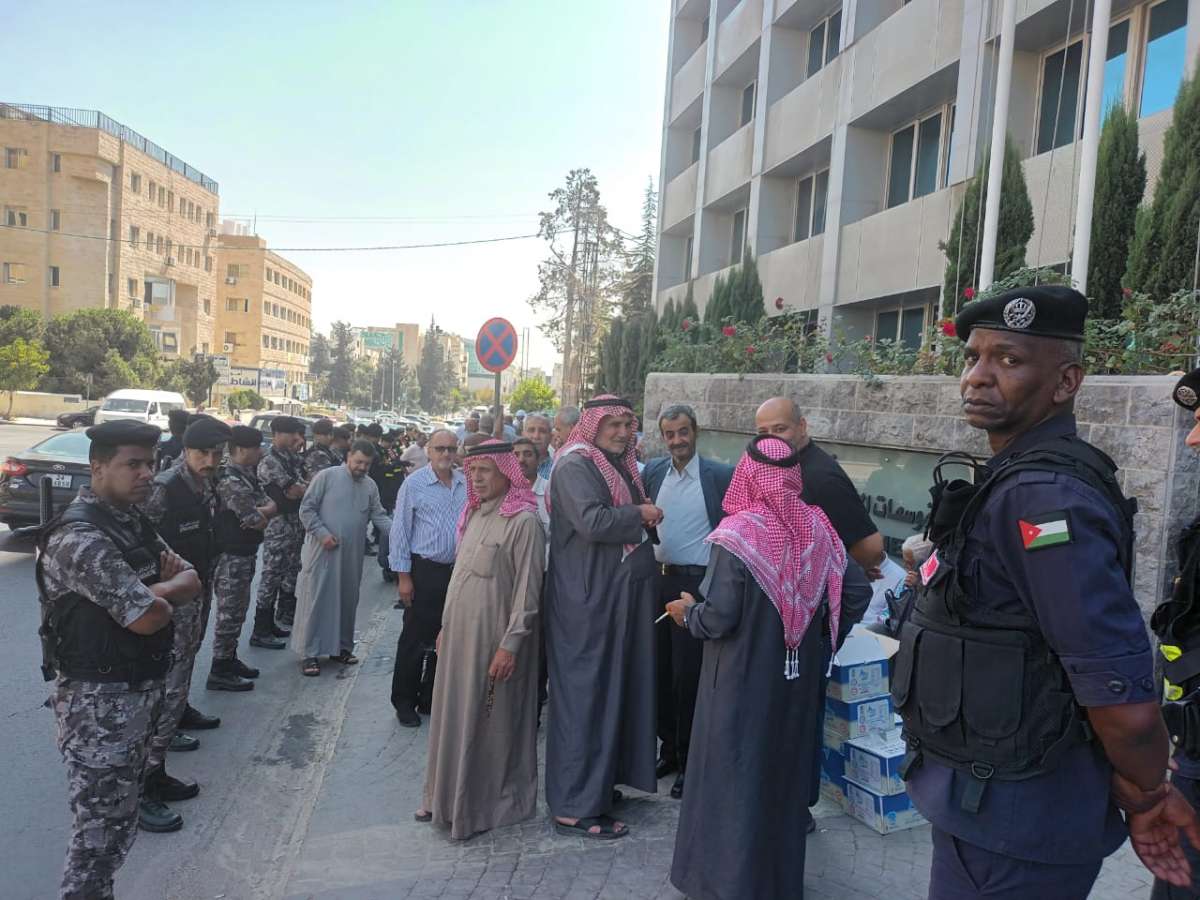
(109, 588)
(181, 507)
(321, 454)
(243, 512)
(342, 436)
(281, 473)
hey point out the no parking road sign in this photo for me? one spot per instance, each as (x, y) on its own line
(496, 345)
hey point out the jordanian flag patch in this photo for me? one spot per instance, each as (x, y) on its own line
(1045, 530)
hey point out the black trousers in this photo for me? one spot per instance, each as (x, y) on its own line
(680, 657)
(422, 621)
(959, 870)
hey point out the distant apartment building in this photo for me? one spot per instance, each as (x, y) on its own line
(456, 349)
(97, 216)
(264, 318)
(834, 138)
(374, 340)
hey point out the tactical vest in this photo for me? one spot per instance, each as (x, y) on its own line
(80, 639)
(287, 505)
(186, 525)
(331, 457)
(1176, 622)
(229, 535)
(980, 690)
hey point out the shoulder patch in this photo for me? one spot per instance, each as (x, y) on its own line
(929, 568)
(1045, 530)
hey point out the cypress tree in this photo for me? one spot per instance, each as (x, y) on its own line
(1120, 183)
(688, 309)
(632, 385)
(719, 305)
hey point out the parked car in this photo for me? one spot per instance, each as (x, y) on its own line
(151, 407)
(84, 418)
(262, 421)
(64, 457)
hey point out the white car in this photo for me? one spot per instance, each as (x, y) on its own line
(150, 407)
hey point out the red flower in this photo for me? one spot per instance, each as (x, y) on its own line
(687, 323)
(1127, 292)
(750, 348)
(969, 293)
(729, 331)
(829, 357)
(948, 329)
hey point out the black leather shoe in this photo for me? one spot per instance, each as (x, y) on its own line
(280, 631)
(677, 787)
(227, 680)
(194, 720)
(240, 668)
(408, 717)
(665, 767)
(181, 743)
(267, 641)
(156, 816)
(167, 788)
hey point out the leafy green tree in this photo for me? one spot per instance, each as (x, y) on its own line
(192, 377)
(1120, 183)
(19, 322)
(22, 363)
(652, 344)
(1164, 255)
(609, 376)
(244, 398)
(1013, 234)
(341, 362)
(532, 395)
(320, 359)
(433, 372)
(688, 309)
(112, 345)
(631, 383)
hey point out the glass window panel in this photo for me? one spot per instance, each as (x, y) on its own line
(1114, 66)
(696, 145)
(929, 143)
(886, 325)
(1166, 50)
(912, 327)
(747, 103)
(1060, 79)
(901, 171)
(820, 190)
(816, 49)
(835, 36)
(803, 208)
(737, 237)
(949, 146)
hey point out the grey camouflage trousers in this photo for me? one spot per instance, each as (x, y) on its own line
(281, 561)
(104, 738)
(191, 619)
(231, 594)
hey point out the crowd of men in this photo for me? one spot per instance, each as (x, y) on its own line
(534, 568)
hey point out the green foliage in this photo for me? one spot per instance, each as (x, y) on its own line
(532, 395)
(1151, 336)
(433, 372)
(608, 378)
(393, 384)
(1013, 233)
(341, 362)
(632, 383)
(1120, 183)
(114, 346)
(22, 363)
(320, 359)
(19, 322)
(1164, 256)
(458, 398)
(244, 398)
(736, 296)
(191, 377)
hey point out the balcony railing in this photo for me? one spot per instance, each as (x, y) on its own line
(92, 118)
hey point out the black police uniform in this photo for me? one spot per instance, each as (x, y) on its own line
(1024, 618)
(1177, 626)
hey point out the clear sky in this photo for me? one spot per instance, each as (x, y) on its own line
(411, 121)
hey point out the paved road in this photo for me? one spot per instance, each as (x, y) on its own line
(309, 787)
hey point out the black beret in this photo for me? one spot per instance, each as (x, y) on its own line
(1187, 391)
(343, 432)
(124, 431)
(286, 425)
(245, 436)
(323, 426)
(206, 433)
(1047, 310)
(374, 430)
(178, 418)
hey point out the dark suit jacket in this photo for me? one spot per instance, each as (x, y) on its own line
(714, 481)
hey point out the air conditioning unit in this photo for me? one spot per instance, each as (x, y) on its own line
(170, 260)
(212, 232)
(228, 348)
(231, 279)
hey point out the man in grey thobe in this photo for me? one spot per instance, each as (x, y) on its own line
(599, 624)
(335, 511)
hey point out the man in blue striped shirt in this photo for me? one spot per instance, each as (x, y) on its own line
(422, 554)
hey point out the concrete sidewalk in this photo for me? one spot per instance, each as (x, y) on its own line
(362, 841)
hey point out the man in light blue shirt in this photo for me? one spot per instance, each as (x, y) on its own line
(689, 490)
(424, 529)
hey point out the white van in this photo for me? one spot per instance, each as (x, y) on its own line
(145, 406)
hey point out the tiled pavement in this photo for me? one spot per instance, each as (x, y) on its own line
(362, 841)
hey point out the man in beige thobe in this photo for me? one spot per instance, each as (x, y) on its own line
(482, 768)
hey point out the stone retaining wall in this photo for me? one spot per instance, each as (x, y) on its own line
(1132, 418)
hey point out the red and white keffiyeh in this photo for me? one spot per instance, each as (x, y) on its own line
(789, 547)
(519, 495)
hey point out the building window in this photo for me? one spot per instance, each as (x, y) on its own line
(151, 190)
(158, 244)
(162, 196)
(208, 264)
(208, 220)
(232, 270)
(737, 237)
(170, 246)
(914, 170)
(14, 273)
(170, 201)
(55, 220)
(266, 342)
(1166, 55)
(131, 286)
(135, 182)
(204, 348)
(208, 306)
(824, 43)
(747, 104)
(55, 162)
(689, 248)
(16, 217)
(54, 276)
(1060, 100)
(811, 195)
(15, 157)
(170, 342)
(268, 274)
(1114, 67)
(231, 338)
(135, 234)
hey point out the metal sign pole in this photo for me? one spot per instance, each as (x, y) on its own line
(498, 424)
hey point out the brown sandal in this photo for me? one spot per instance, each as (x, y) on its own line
(346, 658)
(310, 667)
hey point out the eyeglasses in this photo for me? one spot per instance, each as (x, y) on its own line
(432, 449)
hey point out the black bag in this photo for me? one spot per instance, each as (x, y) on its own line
(428, 671)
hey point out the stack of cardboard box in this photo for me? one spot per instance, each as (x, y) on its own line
(863, 748)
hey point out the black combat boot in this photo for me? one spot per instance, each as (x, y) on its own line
(156, 816)
(286, 608)
(263, 634)
(167, 788)
(242, 669)
(224, 677)
(194, 720)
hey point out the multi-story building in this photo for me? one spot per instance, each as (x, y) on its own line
(456, 349)
(95, 215)
(834, 138)
(264, 317)
(374, 340)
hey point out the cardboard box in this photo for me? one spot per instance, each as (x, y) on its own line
(844, 721)
(883, 814)
(833, 789)
(862, 668)
(874, 762)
